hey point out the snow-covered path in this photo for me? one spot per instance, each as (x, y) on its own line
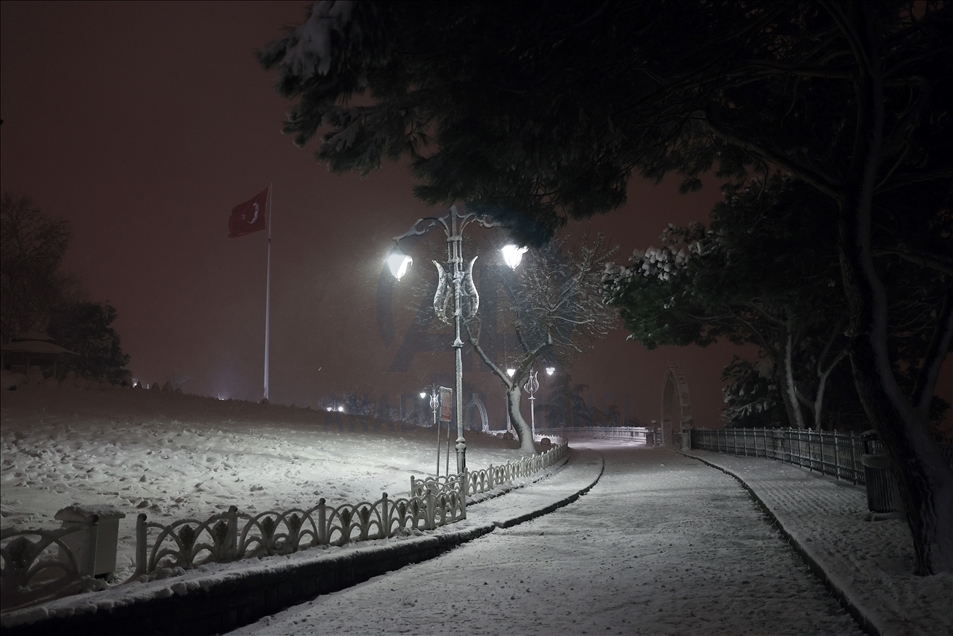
(662, 545)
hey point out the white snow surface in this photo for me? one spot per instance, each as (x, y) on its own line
(176, 456)
(661, 544)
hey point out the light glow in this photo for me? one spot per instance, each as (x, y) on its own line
(513, 254)
(510, 372)
(398, 262)
(550, 370)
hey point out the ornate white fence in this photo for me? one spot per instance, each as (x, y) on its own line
(232, 535)
(40, 565)
(480, 481)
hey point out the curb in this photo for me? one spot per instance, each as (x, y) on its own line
(229, 596)
(864, 620)
(509, 523)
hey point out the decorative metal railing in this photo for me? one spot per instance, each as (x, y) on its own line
(836, 454)
(40, 565)
(232, 535)
(480, 481)
(637, 434)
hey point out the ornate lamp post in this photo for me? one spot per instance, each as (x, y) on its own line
(451, 305)
(506, 403)
(531, 387)
(434, 403)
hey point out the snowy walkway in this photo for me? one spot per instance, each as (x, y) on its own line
(870, 563)
(663, 544)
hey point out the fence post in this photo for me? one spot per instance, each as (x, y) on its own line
(385, 518)
(232, 538)
(323, 522)
(429, 516)
(836, 455)
(141, 548)
(853, 460)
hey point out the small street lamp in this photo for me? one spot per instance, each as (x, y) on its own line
(531, 387)
(506, 403)
(434, 403)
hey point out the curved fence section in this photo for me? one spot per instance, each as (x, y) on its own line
(480, 481)
(232, 535)
(836, 454)
(40, 565)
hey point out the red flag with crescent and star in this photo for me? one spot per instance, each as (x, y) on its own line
(248, 217)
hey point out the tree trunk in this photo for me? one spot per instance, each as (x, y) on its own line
(790, 389)
(925, 478)
(523, 430)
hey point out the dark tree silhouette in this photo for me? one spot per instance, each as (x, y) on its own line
(546, 110)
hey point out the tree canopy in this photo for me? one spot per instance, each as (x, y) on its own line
(546, 110)
(32, 247)
(35, 294)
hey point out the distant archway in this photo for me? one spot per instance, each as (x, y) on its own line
(476, 402)
(676, 408)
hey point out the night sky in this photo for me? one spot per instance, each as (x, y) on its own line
(143, 124)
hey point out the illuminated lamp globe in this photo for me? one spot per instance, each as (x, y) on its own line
(398, 262)
(550, 370)
(510, 372)
(512, 255)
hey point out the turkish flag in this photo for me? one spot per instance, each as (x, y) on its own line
(248, 217)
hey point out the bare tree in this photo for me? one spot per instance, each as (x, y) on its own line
(556, 308)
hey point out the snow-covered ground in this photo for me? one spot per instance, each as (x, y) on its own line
(663, 544)
(176, 456)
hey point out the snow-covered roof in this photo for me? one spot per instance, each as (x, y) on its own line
(37, 347)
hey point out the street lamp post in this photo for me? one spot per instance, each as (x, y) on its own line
(506, 403)
(531, 386)
(434, 403)
(463, 304)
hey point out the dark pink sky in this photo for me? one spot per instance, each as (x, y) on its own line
(143, 124)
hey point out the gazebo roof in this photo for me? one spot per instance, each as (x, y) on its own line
(34, 346)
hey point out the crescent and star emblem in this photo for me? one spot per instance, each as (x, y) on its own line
(254, 218)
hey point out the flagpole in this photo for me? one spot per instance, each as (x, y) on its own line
(271, 195)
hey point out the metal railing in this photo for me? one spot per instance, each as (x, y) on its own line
(638, 434)
(830, 453)
(41, 565)
(480, 481)
(232, 535)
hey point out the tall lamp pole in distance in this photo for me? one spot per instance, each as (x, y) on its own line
(550, 370)
(531, 387)
(434, 403)
(506, 403)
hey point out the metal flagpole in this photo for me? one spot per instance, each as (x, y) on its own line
(271, 195)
